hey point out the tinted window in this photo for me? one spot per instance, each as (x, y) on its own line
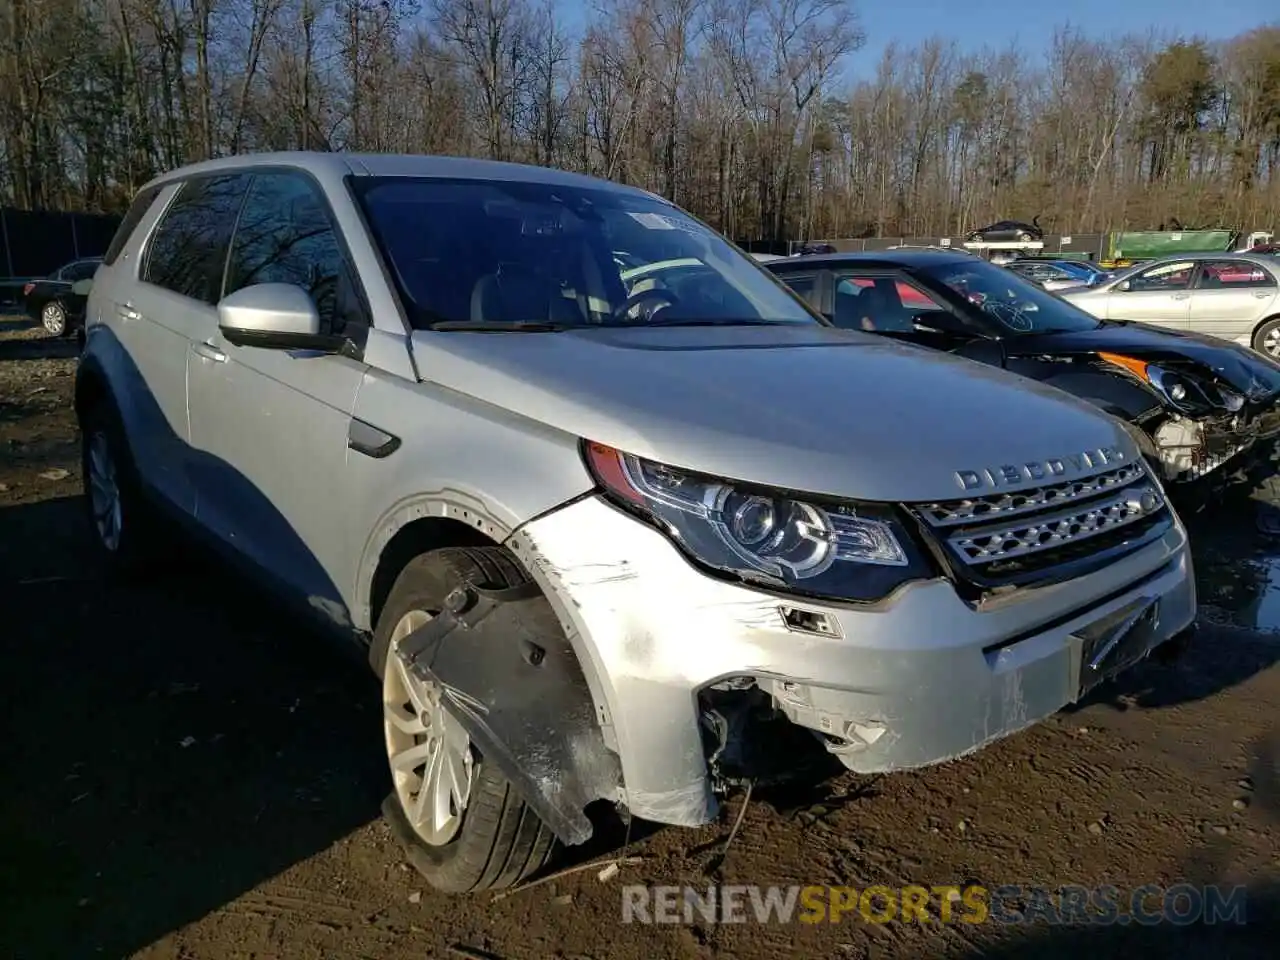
(188, 249)
(509, 251)
(1014, 302)
(285, 235)
(1166, 276)
(82, 270)
(804, 284)
(1229, 274)
(141, 204)
(878, 302)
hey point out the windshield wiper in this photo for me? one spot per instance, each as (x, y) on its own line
(494, 326)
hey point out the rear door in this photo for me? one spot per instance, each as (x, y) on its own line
(167, 305)
(1230, 297)
(1159, 295)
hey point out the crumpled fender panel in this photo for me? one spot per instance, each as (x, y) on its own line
(510, 677)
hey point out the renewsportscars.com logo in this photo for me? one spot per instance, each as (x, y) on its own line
(1180, 904)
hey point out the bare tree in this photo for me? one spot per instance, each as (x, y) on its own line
(741, 110)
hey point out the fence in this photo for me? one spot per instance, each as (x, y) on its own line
(1092, 245)
(34, 243)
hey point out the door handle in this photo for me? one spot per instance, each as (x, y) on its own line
(128, 313)
(1263, 294)
(1181, 296)
(209, 352)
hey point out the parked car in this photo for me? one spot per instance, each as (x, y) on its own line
(1008, 231)
(563, 520)
(1209, 411)
(53, 303)
(1235, 296)
(1057, 274)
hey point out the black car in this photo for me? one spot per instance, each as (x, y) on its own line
(1008, 231)
(1208, 411)
(52, 302)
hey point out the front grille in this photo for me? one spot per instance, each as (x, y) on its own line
(1046, 532)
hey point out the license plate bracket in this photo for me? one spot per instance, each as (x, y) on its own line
(1116, 642)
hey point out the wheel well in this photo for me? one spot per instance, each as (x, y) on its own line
(429, 533)
(90, 390)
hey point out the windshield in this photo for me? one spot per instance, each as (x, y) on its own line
(1015, 304)
(495, 253)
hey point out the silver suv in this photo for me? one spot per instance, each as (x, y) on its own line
(608, 532)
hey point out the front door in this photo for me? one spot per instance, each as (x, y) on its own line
(271, 426)
(1159, 295)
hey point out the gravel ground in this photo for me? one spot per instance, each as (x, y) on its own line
(187, 775)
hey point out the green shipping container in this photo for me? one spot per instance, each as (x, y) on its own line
(1150, 244)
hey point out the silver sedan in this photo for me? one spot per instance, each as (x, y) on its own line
(1235, 296)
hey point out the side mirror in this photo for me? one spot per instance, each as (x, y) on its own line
(81, 288)
(274, 316)
(1124, 286)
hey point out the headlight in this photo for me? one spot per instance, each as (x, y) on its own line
(840, 550)
(1182, 391)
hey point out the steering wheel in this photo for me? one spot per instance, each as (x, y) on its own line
(658, 297)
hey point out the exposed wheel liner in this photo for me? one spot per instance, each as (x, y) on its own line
(507, 711)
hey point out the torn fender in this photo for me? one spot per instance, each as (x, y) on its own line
(510, 677)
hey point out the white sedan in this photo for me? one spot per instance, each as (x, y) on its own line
(1235, 296)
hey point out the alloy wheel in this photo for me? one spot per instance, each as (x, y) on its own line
(104, 492)
(54, 319)
(432, 764)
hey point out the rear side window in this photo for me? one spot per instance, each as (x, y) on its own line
(81, 270)
(141, 204)
(1220, 274)
(188, 250)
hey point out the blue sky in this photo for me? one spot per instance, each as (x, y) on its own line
(989, 22)
(977, 23)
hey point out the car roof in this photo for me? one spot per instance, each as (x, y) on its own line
(395, 165)
(1258, 258)
(877, 258)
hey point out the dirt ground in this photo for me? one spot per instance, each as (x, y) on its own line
(187, 775)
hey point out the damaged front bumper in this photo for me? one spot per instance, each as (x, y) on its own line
(682, 666)
(1210, 453)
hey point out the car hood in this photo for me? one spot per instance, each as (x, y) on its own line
(1249, 372)
(811, 409)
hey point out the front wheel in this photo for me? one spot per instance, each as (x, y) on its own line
(53, 317)
(461, 822)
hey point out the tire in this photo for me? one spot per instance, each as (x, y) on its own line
(1024, 237)
(498, 840)
(1269, 329)
(53, 317)
(138, 543)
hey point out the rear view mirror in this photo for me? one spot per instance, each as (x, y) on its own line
(274, 316)
(81, 288)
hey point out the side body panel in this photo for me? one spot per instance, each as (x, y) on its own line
(458, 458)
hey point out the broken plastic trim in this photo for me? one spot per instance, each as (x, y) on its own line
(508, 674)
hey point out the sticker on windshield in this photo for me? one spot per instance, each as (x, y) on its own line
(660, 221)
(654, 221)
